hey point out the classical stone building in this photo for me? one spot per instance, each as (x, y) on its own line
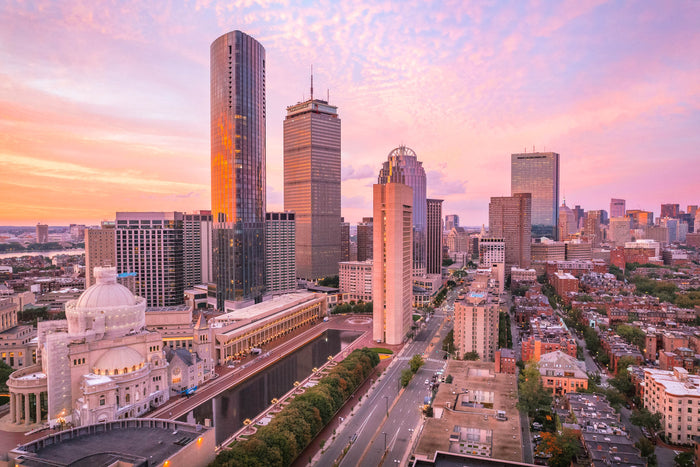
(99, 364)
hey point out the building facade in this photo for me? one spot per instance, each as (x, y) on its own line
(403, 167)
(364, 239)
(537, 173)
(509, 218)
(676, 396)
(617, 207)
(434, 236)
(42, 233)
(476, 325)
(312, 185)
(280, 255)
(344, 240)
(451, 220)
(100, 250)
(237, 76)
(150, 244)
(392, 286)
(356, 280)
(99, 364)
(197, 248)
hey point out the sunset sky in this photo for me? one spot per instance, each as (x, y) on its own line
(104, 106)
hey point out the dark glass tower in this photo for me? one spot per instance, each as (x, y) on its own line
(403, 166)
(238, 167)
(537, 173)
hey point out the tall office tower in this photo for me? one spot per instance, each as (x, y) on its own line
(476, 325)
(100, 250)
(434, 236)
(42, 233)
(670, 210)
(280, 256)
(451, 220)
(344, 240)
(150, 244)
(364, 239)
(567, 222)
(537, 173)
(509, 218)
(77, 232)
(672, 226)
(312, 184)
(580, 216)
(692, 210)
(591, 229)
(197, 247)
(238, 167)
(392, 283)
(620, 230)
(403, 166)
(617, 207)
(640, 218)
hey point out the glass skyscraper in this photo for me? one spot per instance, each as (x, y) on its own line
(403, 166)
(312, 186)
(537, 173)
(238, 167)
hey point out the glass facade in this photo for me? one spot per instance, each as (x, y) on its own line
(537, 173)
(403, 167)
(238, 166)
(312, 185)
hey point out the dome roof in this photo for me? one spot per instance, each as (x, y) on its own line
(106, 293)
(118, 359)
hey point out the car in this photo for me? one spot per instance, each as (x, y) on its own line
(427, 381)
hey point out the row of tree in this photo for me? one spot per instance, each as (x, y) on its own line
(414, 365)
(505, 336)
(352, 307)
(291, 430)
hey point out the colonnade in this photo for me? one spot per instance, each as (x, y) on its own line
(21, 407)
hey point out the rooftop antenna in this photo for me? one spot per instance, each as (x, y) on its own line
(312, 81)
(328, 95)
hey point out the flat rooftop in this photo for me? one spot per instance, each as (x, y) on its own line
(142, 442)
(471, 402)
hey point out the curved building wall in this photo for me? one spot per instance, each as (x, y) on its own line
(238, 166)
(403, 166)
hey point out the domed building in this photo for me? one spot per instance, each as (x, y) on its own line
(99, 364)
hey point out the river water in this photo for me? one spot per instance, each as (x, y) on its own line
(229, 409)
(49, 254)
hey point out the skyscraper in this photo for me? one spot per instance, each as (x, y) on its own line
(197, 248)
(451, 220)
(509, 218)
(537, 173)
(150, 244)
(42, 233)
(364, 239)
(280, 260)
(434, 236)
(617, 207)
(402, 166)
(670, 210)
(312, 184)
(344, 240)
(238, 167)
(392, 284)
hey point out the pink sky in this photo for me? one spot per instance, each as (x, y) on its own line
(104, 106)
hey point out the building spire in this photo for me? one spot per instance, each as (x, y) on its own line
(312, 81)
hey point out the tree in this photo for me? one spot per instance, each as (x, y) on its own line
(531, 393)
(631, 334)
(447, 262)
(644, 418)
(330, 281)
(684, 459)
(448, 344)
(416, 362)
(646, 449)
(473, 356)
(562, 447)
(406, 376)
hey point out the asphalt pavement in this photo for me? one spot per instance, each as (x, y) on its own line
(382, 417)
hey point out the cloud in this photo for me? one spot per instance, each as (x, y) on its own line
(358, 173)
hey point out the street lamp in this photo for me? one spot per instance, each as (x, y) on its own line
(384, 433)
(386, 399)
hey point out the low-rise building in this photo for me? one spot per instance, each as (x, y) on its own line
(562, 373)
(505, 361)
(563, 283)
(239, 332)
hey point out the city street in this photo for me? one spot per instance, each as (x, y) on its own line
(368, 429)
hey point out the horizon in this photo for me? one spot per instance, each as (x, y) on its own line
(114, 116)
